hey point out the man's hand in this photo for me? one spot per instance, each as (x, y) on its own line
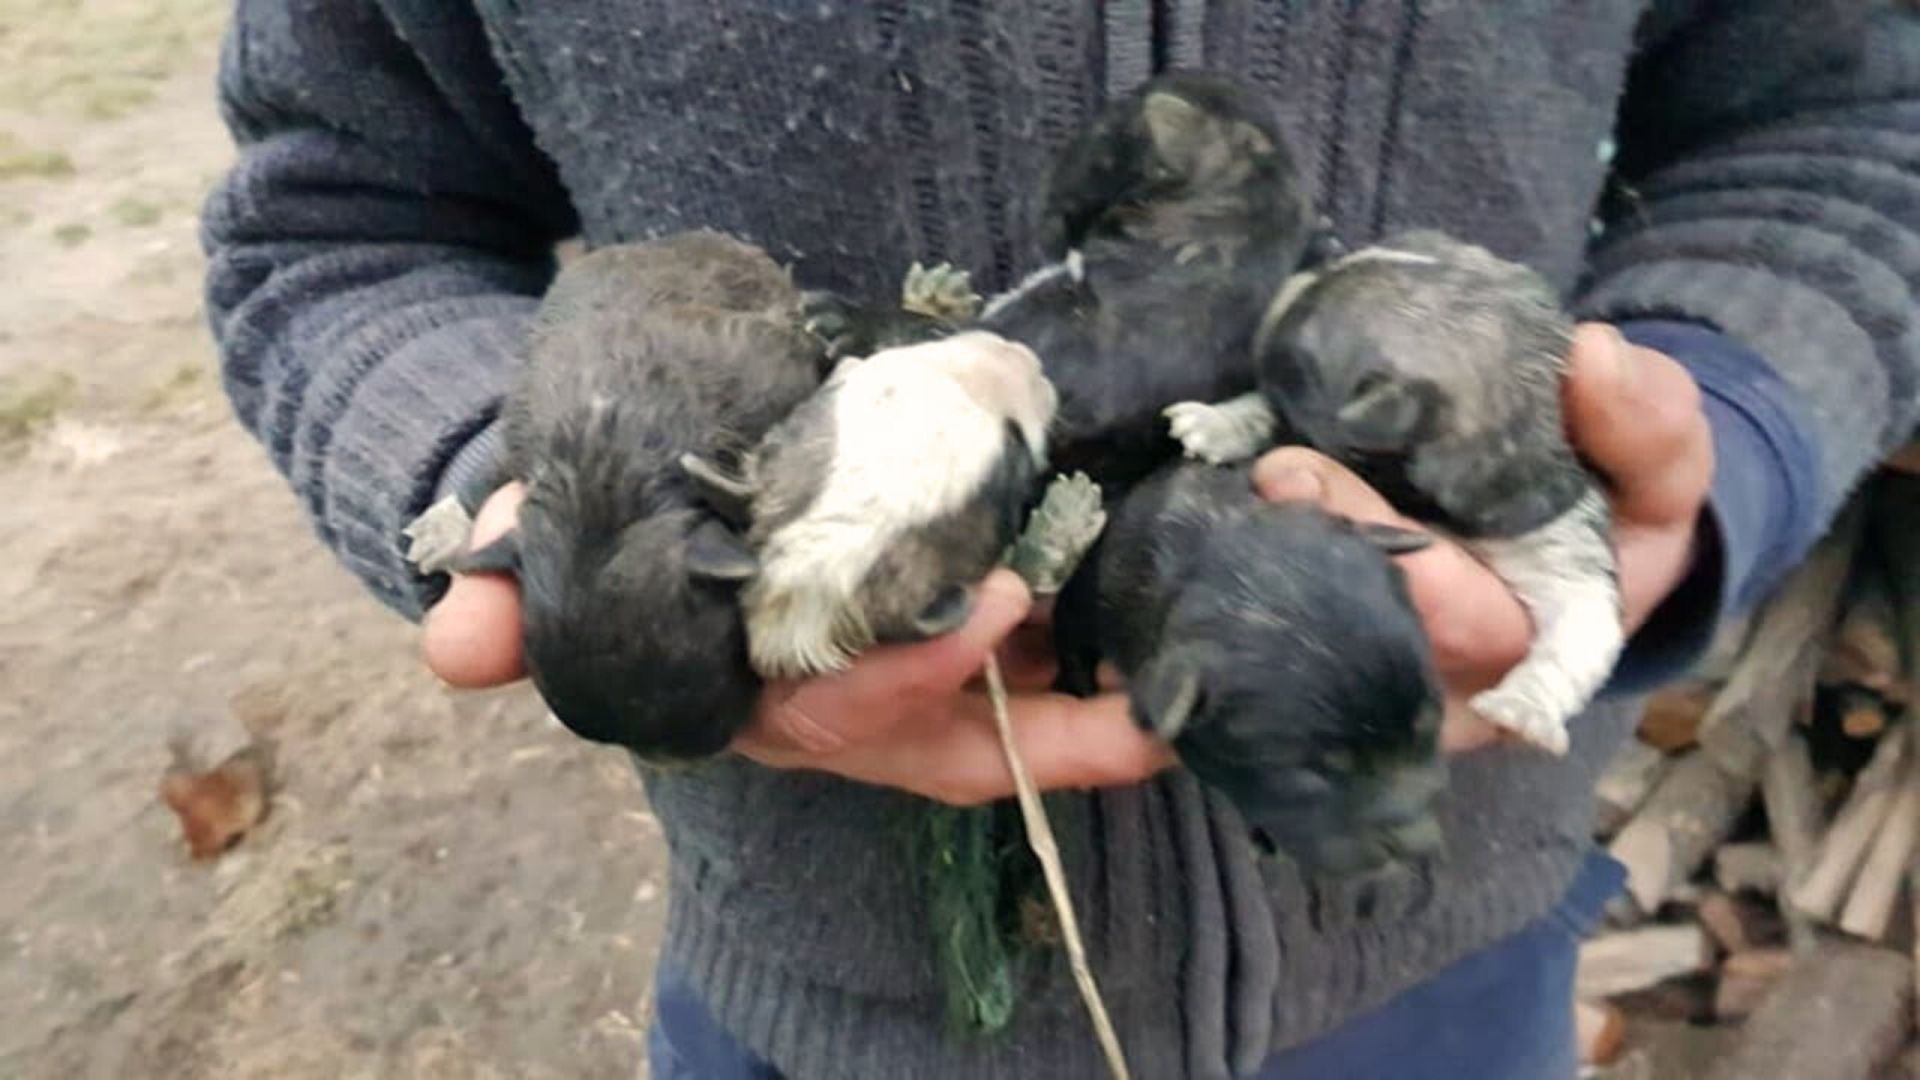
(904, 716)
(1635, 416)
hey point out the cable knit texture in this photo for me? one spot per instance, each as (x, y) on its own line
(406, 167)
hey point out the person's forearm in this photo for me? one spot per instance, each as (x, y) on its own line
(373, 260)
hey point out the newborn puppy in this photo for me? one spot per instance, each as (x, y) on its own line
(1172, 220)
(884, 497)
(629, 585)
(1275, 647)
(1433, 369)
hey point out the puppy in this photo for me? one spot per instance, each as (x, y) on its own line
(1433, 369)
(1276, 649)
(643, 353)
(883, 498)
(1169, 224)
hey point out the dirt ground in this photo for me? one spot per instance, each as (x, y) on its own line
(447, 884)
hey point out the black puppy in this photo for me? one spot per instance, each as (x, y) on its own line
(1275, 647)
(1171, 220)
(1433, 369)
(642, 354)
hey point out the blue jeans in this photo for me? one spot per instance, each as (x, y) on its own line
(1504, 1013)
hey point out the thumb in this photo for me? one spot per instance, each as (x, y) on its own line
(1635, 415)
(1297, 474)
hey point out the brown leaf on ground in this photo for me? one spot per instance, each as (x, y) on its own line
(218, 806)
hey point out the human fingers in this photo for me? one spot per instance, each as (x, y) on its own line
(1634, 414)
(471, 638)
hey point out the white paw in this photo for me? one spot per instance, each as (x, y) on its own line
(943, 291)
(1206, 431)
(1538, 724)
(438, 536)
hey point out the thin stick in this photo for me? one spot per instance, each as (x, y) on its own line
(1040, 838)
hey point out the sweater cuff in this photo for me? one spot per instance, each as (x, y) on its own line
(1760, 517)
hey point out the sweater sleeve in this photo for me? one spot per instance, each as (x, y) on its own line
(374, 255)
(1765, 231)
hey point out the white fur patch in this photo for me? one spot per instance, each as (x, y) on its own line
(1073, 267)
(917, 432)
(1233, 430)
(1563, 573)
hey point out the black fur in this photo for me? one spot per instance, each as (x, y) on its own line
(1184, 207)
(644, 353)
(1288, 640)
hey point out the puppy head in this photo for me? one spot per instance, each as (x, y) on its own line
(1418, 339)
(1186, 155)
(635, 638)
(1297, 681)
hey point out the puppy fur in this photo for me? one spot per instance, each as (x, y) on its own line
(641, 354)
(1170, 222)
(1433, 369)
(885, 496)
(1276, 648)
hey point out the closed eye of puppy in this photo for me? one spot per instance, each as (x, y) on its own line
(1276, 648)
(1433, 369)
(884, 497)
(629, 584)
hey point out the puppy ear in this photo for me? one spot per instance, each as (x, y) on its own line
(1387, 413)
(717, 553)
(1167, 696)
(1393, 539)
(502, 556)
(724, 494)
(947, 612)
(1175, 125)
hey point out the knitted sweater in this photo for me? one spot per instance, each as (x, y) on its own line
(406, 167)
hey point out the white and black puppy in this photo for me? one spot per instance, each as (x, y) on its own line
(1276, 648)
(1433, 369)
(643, 353)
(1169, 223)
(876, 506)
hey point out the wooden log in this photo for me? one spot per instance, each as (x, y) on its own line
(1690, 812)
(1738, 924)
(1748, 867)
(1633, 959)
(1601, 1030)
(1870, 903)
(1820, 891)
(1841, 1013)
(1670, 1050)
(1907, 458)
(1796, 819)
(1672, 717)
(1863, 713)
(1747, 978)
(1865, 652)
(1624, 785)
(1755, 709)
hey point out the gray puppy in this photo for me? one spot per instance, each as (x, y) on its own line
(644, 353)
(1275, 647)
(1433, 369)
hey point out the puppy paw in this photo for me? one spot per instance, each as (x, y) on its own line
(1059, 533)
(1538, 724)
(1207, 432)
(439, 536)
(943, 291)
(851, 330)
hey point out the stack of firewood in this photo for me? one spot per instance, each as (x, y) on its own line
(1768, 816)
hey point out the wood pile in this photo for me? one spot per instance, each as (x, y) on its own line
(1768, 816)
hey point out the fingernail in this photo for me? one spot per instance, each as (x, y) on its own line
(1291, 483)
